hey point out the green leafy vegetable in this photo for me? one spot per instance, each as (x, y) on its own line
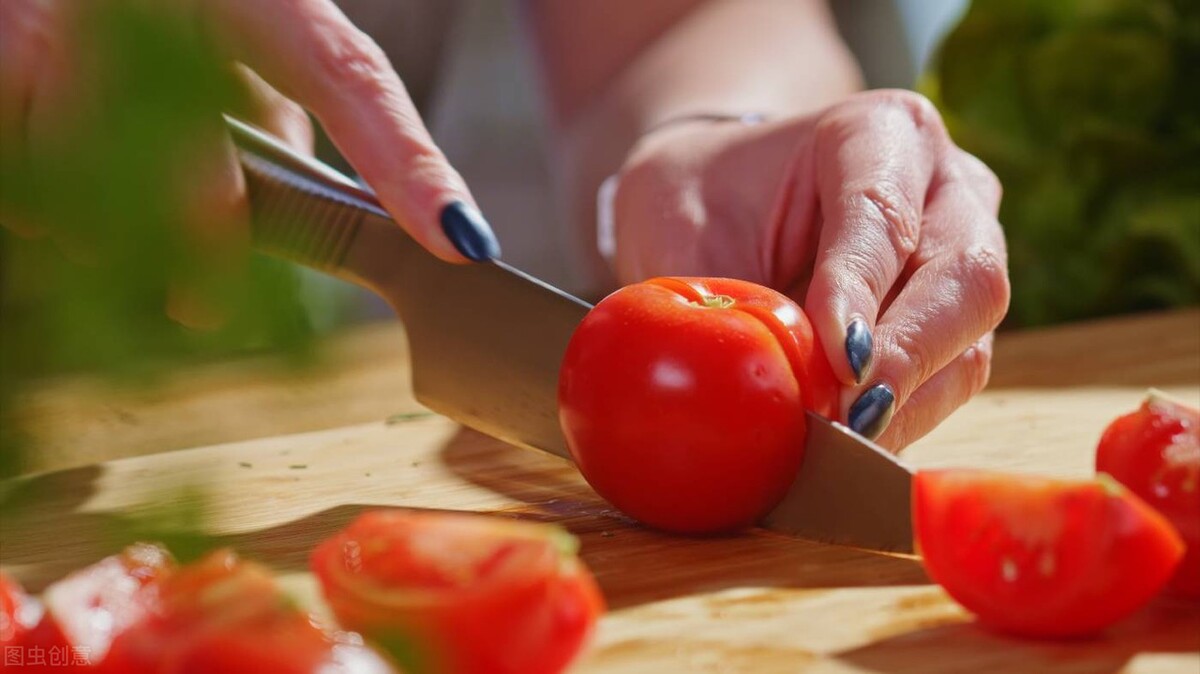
(1089, 112)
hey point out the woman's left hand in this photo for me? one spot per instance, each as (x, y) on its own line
(866, 213)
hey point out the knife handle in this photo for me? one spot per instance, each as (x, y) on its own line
(305, 211)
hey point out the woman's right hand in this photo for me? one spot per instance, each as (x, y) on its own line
(290, 57)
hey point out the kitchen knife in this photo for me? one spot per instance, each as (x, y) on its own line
(486, 341)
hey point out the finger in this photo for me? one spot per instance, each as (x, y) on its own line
(958, 291)
(874, 162)
(24, 29)
(312, 53)
(214, 221)
(271, 111)
(938, 397)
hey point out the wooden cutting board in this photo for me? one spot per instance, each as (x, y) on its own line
(757, 602)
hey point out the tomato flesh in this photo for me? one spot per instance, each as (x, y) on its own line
(460, 593)
(221, 614)
(1155, 452)
(682, 400)
(1041, 557)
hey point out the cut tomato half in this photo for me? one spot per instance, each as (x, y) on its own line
(461, 593)
(221, 614)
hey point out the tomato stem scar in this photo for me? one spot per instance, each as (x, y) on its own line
(715, 302)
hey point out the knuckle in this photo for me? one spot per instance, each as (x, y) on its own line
(349, 60)
(982, 175)
(916, 107)
(909, 349)
(990, 180)
(977, 365)
(985, 272)
(836, 125)
(990, 184)
(901, 218)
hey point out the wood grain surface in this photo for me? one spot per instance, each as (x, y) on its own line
(756, 602)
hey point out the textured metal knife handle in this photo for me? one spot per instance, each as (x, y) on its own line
(305, 211)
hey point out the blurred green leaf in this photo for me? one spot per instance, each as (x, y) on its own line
(103, 243)
(174, 520)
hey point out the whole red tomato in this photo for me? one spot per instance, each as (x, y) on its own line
(683, 399)
(1041, 557)
(461, 594)
(1155, 451)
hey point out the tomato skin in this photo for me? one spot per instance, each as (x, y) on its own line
(1155, 452)
(1041, 557)
(689, 417)
(472, 594)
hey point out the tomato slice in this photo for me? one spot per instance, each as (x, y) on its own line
(461, 593)
(1155, 452)
(221, 614)
(1041, 557)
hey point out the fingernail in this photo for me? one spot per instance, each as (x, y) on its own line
(870, 414)
(469, 232)
(858, 348)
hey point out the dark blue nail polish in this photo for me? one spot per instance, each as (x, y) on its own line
(469, 232)
(870, 414)
(858, 348)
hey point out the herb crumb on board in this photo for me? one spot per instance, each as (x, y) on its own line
(406, 416)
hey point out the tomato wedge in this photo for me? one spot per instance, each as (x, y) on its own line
(1155, 452)
(682, 400)
(462, 594)
(221, 614)
(1041, 557)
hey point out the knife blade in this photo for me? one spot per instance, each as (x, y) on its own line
(849, 491)
(486, 341)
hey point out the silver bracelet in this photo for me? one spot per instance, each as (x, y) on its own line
(606, 228)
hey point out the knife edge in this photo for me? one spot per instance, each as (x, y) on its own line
(848, 491)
